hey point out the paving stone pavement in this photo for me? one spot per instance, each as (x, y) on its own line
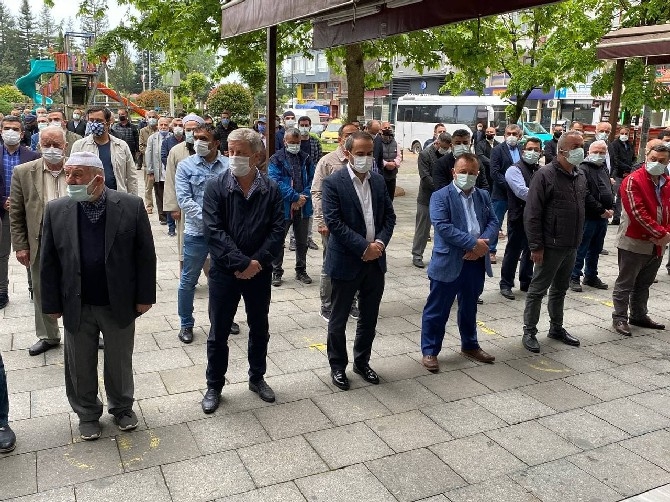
(588, 423)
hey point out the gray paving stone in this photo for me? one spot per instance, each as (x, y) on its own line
(453, 385)
(602, 385)
(533, 443)
(352, 406)
(19, 359)
(42, 433)
(641, 376)
(393, 345)
(188, 378)
(149, 385)
(541, 368)
(415, 475)
(162, 445)
(19, 406)
(463, 418)
(35, 378)
(141, 486)
(285, 492)
(297, 386)
(513, 406)
(292, 419)
(205, 478)
(499, 377)
(450, 358)
(408, 431)
(292, 361)
(49, 401)
(654, 447)
(560, 481)
(173, 409)
(281, 460)
(501, 489)
(59, 495)
(347, 445)
(621, 469)
(559, 395)
(583, 429)
(657, 400)
(77, 463)
(227, 432)
(580, 360)
(238, 370)
(404, 395)
(351, 484)
(477, 458)
(400, 367)
(159, 360)
(617, 353)
(17, 475)
(629, 416)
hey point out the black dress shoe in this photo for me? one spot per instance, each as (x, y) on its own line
(7, 439)
(186, 335)
(263, 390)
(480, 301)
(235, 329)
(41, 346)
(211, 400)
(4, 300)
(340, 379)
(507, 293)
(563, 336)
(368, 374)
(530, 342)
(524, 287)
(646, 323)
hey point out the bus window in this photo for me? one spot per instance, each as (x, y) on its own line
(448, 114)
(467, 115)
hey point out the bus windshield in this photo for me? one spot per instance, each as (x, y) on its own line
(535, 128)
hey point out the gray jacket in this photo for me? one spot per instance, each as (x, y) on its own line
(426, 162)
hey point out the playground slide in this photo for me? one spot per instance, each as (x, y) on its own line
(125, 101)
(26, 84)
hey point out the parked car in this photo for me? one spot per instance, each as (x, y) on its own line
(329, 135)
(318, 129)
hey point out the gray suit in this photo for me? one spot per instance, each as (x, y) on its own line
(130, 265)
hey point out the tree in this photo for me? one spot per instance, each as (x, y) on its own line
(10, 58)
(235, 98)
(11, 94)
(153, 99)
(195, 86)
(27, 36)
(48, 33)
(93, 16)
(122, 74)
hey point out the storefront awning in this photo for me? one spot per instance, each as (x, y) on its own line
(649, 42)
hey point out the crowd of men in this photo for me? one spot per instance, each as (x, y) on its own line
(71, 211)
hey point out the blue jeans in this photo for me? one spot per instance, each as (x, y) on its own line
(499, 208)
(170, 221)
(4, 397)
(195, 254)
(468, 286)
(590, 248)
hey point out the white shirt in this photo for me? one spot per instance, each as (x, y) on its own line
(470, 214)
(365, 197)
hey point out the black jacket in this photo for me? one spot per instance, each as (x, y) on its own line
(378, 153)
(554, 215)
(551, 150)
(80, 128)
(483, 151)
(240, 230)
(501, 159)
(621, 158)
(426, 165)
(442, 174)
(600, 194)
(516, 205)
(225, 132)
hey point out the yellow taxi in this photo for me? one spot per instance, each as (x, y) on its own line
(329, 135)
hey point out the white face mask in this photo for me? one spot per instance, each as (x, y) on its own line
(530, 156)
(52, 155)
(201, 148)
(623, 137)
(289, 122)
(465, 181)
(655, 168)
(601, 136)
(55, 123)
(178, 131)
(291, 148)
(11, 137)
(239, 165)
(575, 156)
(595, 158)
(361, 164)
(76, 116)
(443, 151)
(42, 125)
(189, 136)
(459, 150)
(511, 141)
(304, 130)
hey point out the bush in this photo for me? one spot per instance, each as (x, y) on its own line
(5, 107)
(11, 94)
(236, 98)
(153, 99)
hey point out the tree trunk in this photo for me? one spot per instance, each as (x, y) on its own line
(518, 107)
(644, 131)
(353, 64)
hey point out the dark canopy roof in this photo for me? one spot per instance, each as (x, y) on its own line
(651, 42)
(341, 22)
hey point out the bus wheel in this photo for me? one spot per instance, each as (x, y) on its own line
(416, 147)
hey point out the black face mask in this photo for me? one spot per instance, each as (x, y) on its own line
(557, 135)
(490, 136)
(387, 132)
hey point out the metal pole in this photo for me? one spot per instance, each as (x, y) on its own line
(149, 65)
(272, 88)
(616, 96)
(171, 101)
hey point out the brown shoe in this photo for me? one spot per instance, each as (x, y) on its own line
(479, 355)
(430, 363)
(493, 258)
(621, 327)
(150, 210)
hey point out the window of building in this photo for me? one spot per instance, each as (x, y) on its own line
(310, 65)
(321, 62)
(301, 64)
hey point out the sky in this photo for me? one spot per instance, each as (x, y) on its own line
(68, 8)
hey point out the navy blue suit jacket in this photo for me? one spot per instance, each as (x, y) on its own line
(343, 215)
(501, 159)
(25, 155)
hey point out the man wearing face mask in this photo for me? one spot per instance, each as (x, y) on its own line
(115, 154)
(155, 169)
(261, 128)
(622, 158)
(479, 134)
(42, 123)
(437, 130)
(57, 119)
(98, 272)
(289, 121)
(391, 158)
(78, 123)
(641, 239)
(599, 208)
(311, 145)
(243, 216)
(175, 137)
(127, 131)
(426, 162)
(359, 215)
(503, 156)
(518, 177)
(483, 150)
(145, 132)
(554, 223)
(444, 167)
(550, 146)
(603, 130)
(225, 126)
(12, 154)
(190, 179)
(30, 128)
(464, 221)
(293, 170)
(33, 185)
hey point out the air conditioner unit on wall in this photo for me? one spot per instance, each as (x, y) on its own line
(552, 103)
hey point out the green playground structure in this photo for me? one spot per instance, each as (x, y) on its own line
(28, 83)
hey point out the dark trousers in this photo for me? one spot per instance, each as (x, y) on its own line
(500, 208)
(390, 186)
(555, 273)
(370, 286)
(467, 288)
(4, 396)
(617, 204)
(300, 229)
(517, 247)
(590, 248)
(631, 289)
(81, 364)
(159, 189)
(225, 292)
(421, 230)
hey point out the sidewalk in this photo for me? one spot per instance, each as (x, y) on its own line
(569, 424)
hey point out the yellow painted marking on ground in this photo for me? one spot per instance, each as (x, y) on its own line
(607, 303)
(544, 366)
(155, 441)
(318, 346)
(124, 443)
(486, 330)
(76, 463)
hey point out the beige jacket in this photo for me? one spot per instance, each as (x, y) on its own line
(329, 163)
(26, 207)
(122, 161)
(145, 132)
(178, 153)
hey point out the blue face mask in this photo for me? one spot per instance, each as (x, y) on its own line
(225, 122)
(164, 133)
(79, 193)
(95, 128)
(261, 128)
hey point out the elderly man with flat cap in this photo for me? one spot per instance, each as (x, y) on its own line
(98, 271)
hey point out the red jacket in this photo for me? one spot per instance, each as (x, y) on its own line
(638, 196)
